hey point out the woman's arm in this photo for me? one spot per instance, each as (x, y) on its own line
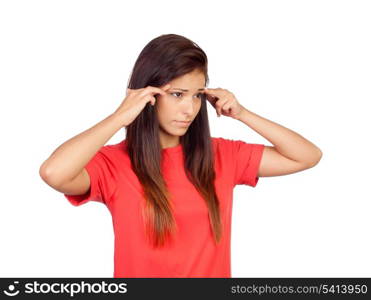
(70, 158)
(291, 152)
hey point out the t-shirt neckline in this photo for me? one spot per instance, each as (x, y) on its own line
(174, 149)
(169, 150)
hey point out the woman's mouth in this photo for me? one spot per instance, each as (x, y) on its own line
(182, 123)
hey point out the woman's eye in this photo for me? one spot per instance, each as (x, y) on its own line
(176, 93)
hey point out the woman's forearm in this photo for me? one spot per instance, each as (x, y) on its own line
(287, 142)
(69, 159)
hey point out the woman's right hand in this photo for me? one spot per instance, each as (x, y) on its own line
(136, 100)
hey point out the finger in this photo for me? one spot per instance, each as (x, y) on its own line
(166, 87)
(219, 106)
(149, 99)
(154, 90)
(227, 109)
(131, 91)
(213, 103)
(209, 91)
(212, 99)
(153, 101)
(212, 90)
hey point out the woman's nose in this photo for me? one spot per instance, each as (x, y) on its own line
(189, 105)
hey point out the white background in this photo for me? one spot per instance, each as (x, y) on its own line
(64, 66)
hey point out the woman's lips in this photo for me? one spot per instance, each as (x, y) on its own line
(182, 123)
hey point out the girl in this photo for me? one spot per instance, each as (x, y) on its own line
(169, 184)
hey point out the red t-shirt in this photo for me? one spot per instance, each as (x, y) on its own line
(192, 252)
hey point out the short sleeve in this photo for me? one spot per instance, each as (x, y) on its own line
(102, 182)
(247, 159)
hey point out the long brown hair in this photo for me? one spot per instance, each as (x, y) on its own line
(164, 58)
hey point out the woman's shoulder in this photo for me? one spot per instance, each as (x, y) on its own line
(222, 142)
(219, 139)
(229, 146)
(115, 149)
(223, 145)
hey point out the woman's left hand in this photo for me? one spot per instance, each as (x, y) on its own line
(224, 102)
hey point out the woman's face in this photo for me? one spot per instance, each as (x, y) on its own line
(181, 103)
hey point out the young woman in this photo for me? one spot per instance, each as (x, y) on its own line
(169, 184)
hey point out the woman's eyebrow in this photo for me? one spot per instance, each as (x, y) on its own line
(184, 90)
